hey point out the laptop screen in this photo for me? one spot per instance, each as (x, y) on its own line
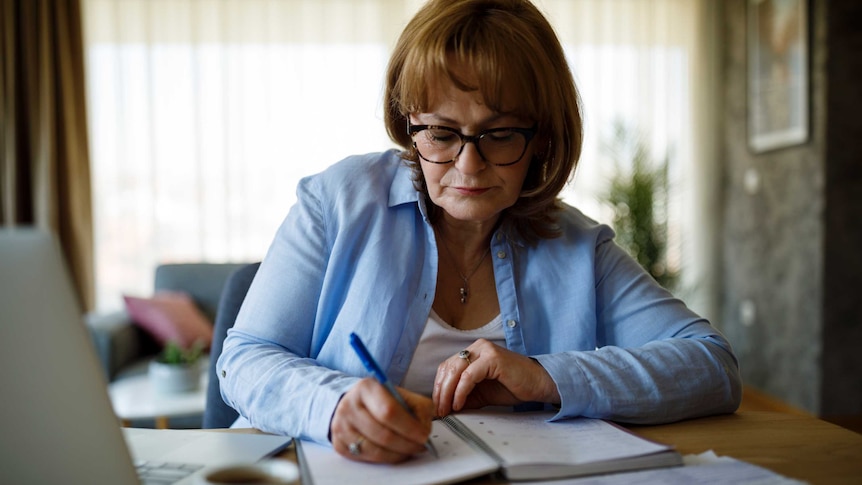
(57, 422)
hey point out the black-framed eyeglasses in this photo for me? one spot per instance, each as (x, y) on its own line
(497, 146)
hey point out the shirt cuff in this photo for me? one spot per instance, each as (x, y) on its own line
(572, 384)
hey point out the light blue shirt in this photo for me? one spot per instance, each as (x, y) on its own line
(357, 254)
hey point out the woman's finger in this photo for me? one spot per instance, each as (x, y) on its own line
(493, 375)
(447, 379)
(390, 425)
(361, 448)
(372, 421)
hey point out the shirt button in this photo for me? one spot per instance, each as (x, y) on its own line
(512, 324)
(224, 373)
(499, 236)
(501, 254)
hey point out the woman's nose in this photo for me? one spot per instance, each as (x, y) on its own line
(470, 160)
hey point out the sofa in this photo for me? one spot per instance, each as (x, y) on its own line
(126, 349)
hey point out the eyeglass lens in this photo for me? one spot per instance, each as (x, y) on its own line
(441, 145)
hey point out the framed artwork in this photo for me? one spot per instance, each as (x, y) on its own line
(777, 44)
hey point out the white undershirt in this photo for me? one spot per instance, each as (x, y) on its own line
(438, 342)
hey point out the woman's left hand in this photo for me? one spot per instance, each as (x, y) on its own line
(493, 376)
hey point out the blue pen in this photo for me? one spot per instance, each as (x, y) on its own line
(372, 367)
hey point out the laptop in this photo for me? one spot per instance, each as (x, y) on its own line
(56, 420)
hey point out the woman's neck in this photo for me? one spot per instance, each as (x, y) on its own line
(466, 296)
(466, 239)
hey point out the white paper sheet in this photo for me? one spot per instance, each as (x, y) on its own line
(703, 469)
(461, 461)
(514, 437)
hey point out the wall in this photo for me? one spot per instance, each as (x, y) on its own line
(792, 228)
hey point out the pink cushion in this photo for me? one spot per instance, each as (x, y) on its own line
(170, 316)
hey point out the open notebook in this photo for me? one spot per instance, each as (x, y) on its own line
(520, 446)
(56, 419)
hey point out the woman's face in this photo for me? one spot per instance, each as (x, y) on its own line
(469, 189)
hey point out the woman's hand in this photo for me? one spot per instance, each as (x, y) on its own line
(494, 376)
(376, 427)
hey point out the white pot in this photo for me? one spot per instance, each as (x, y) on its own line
(174, 378)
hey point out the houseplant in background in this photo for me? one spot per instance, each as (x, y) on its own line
(177, 369)
(638, 195)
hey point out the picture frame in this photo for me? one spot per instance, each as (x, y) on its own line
(778, 74)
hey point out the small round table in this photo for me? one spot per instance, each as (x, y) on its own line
(135, 398)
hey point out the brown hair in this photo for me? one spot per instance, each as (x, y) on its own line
(512, 50)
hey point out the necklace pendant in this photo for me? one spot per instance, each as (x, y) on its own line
(463, 295)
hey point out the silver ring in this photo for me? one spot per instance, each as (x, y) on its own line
(355, 448)
(465, 354)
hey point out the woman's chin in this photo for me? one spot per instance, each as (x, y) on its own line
(472, 214)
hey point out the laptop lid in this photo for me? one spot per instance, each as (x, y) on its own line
(56, 420)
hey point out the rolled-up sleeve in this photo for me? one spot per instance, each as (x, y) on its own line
(268, 367)
(655, 360)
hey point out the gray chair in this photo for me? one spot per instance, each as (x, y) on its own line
(217, 414)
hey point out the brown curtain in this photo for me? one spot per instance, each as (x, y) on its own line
(44, 159)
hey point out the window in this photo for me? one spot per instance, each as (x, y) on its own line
(204, 114)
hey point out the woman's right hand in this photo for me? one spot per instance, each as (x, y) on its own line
(385, 432)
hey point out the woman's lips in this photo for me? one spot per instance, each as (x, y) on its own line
(470, 191)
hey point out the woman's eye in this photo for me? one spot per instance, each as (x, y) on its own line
(441, 136)
(500, 136)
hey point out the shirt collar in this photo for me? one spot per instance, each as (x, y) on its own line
(402, 190)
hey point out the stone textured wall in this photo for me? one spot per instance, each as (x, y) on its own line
(790, 263)
(772, 240)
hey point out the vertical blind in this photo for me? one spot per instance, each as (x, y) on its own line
(204, 114)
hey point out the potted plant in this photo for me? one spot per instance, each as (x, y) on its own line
(638, 194)
(177, 369)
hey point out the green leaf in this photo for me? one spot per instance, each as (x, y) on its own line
(173, 353)
(638, 193)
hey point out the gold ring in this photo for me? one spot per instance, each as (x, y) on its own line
(355, 448)
(465, 354)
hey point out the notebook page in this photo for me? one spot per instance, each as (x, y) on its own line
(458, 461)
(524, 438)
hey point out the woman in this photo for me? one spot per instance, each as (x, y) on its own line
(460, 243)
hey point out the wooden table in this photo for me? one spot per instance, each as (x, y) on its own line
(795, 446)
(792, 445)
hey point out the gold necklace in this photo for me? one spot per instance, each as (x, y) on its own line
(464, 289)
